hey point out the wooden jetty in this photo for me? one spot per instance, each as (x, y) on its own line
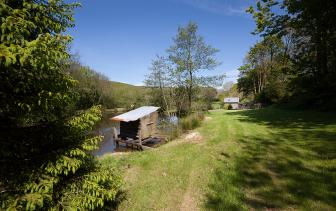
(137, 127)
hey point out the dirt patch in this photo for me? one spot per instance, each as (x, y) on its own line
(188, 202)
(207, 118)
(131, 173)
(118, 153)
(193, 136)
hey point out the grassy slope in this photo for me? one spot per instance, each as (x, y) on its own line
(248, 160)
(127, 94)
(124, 86)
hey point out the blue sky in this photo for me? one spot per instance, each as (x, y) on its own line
(119, 38)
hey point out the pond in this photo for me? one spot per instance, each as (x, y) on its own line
(108, 145)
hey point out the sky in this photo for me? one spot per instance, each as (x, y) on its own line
(120, 38)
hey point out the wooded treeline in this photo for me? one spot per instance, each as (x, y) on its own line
(95, 88)
(295, 60)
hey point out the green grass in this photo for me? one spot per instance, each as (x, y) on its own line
(216, 105)
(247, 160)
(127, 94)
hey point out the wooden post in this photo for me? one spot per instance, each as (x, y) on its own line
(115, 135)
(140, 141)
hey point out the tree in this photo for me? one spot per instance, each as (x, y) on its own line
(45, 142)
(159, 81)
(264, 71)
(189, 55)
(311, 29)
(93, 88)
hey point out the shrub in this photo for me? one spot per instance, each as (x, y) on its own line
(173, 130)
(185, 123)
(217, 105)
(226, 106)
(68, 177)
(192, 121)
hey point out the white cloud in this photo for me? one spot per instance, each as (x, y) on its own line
(139, 84)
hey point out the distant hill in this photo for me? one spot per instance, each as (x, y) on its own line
(127, 95)
(122, 85)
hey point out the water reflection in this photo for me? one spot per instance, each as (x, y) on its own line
(108, 144)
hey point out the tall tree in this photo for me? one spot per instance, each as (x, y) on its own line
(190, 55)
(159, 80)
(311, 26)
(93, 88)
(265, 65)
(44, 159)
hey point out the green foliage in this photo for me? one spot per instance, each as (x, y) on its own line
(173, 130)
(93, 88)
(263, 14)
(227, 106)
(44, 156)
(231, 90)
(32, 51)
(160, 83)
(217, 105)
(65, 178)
(190, 54)
(191, 121)
(206, 96)
(309, 32)
(265, 73)
(175, 81)
(129, 96)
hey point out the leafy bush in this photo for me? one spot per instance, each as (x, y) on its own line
(174, 130)
(217, 105)
(45, 143)
(192, 121)
(227, 106)
(185, 124)
(58, 173)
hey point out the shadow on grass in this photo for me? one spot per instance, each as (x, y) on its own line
(279, 118)
(114, 205)
(291, 167)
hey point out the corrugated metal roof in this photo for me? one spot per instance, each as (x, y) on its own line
(135, 114)
(231, 100)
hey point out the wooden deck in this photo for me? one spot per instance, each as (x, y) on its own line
(137, 144)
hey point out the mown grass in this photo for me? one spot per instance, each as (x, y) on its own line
(247, 160)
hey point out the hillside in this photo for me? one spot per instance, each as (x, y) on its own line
(126, 95)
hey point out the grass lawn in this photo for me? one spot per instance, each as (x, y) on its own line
(246, 160)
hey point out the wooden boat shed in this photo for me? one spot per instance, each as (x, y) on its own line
(137, 126)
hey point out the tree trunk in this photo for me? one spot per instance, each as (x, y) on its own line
(190, 91)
